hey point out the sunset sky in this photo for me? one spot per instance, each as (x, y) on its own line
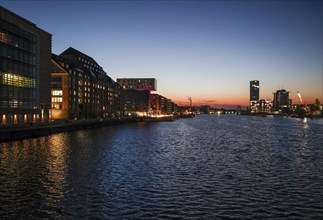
(207, 50)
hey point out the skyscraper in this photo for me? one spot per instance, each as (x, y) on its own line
(281, 100)
(254, 95)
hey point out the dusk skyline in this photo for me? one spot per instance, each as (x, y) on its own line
(205, 50)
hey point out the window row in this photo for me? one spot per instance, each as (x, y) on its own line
(17, 104)
(17, 67)
(57, 99)
(18, 55)
(17, 31)
(16, 41)
(11, 79)
(57, 92)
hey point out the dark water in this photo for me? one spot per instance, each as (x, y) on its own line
(207, 167)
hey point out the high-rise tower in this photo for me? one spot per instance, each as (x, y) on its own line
(281, 100)
(254, 95)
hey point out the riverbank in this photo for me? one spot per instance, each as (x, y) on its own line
(11, 133)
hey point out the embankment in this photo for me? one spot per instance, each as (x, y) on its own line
(32, 131)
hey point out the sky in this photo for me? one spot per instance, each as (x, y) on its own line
(206, 50)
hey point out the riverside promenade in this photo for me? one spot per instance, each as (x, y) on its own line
(19, 132)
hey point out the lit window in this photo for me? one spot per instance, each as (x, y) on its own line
(17, 80)
(57, 92)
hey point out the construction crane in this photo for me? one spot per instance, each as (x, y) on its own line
(305, 105)
(190, 99)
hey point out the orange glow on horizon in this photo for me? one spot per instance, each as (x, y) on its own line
(237, 101)
(213, 103)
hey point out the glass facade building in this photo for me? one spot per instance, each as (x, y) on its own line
(24, 70)
(281, 100)
(254, 95)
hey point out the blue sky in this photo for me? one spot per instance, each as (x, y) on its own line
(207, 50)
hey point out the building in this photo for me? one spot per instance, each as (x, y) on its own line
(71, 98)
(155, 105)
(115, 105)
(137, 95)
(81, 88)
(264, 105)
(254, 95)
(136, 102)
(281, 101)
(140, 84)
(25, 56)
(170, 107)
(161, 105)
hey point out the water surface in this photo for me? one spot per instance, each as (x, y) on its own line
(207, 167)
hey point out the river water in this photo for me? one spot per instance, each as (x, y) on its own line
(208, 167)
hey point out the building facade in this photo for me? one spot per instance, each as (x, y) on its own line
(161, 105)
(155, 107)
(81, 89)
(115, 105)
(264, 105)
(140, 84)
(136, 102)
(281, 100)
(94, 92)
(254, 95)
(25, 56)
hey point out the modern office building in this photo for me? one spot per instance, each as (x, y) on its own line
(25, 56)
(155, 105)
(254, 95)
(140, 84)
(169, 107)
(281, 100)
(137, 94)
(136, 102)
(161, 105)
(264, 105)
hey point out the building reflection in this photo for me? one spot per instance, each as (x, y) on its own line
(32, 167)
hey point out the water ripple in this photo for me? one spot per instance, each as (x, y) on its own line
(209, 167)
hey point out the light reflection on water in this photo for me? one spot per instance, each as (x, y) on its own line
(206, 167)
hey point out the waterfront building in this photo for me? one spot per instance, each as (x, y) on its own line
(155, 107)
(161, 105)
(169, 107)
(115, 105)
(25, 54)
(281, 100)
(264, 105)
(137, 94)
(254, 95)
(81, 88)
(94, 90)
(71, 98)
(140, 84)
(136, 102)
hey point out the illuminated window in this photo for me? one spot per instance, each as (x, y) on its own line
(11, 79)
(57, 99)
(3, 37)
(56, 106)
(57, 92)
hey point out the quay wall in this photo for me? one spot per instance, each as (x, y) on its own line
(19, 133)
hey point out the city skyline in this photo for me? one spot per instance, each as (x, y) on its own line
(205, 50)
